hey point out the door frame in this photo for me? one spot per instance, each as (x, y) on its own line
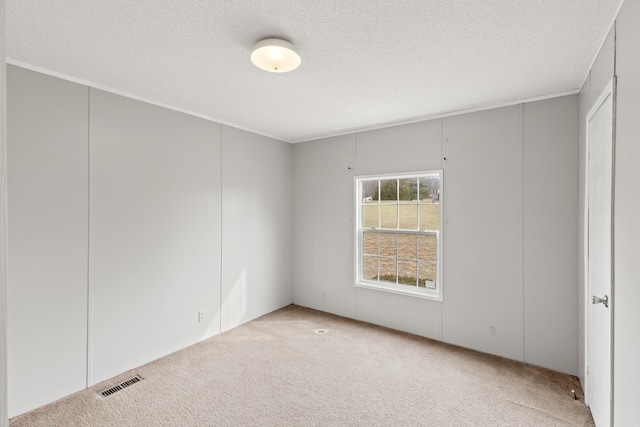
(609, 90)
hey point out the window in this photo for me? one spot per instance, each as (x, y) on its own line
(398, 233)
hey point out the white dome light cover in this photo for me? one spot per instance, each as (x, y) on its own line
(275, 55)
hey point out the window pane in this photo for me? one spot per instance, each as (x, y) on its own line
(370, 191)
(370, 243)
(429, 216)
(389, 189)
(427, 275)
(427, 248)
(370, 216)
(430, 189)
(408, 189)
(407, 272)
(389, 216)
(407, 246)
(409, 217)
(370, 268)
(387, 270)
(387, 244)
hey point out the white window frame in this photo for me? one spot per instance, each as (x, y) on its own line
(420, 292)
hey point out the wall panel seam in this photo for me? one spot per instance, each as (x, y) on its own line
(3, 228)
(89, 287)
(442, 219)
(221, 277)
(524, 286)
(355, 219)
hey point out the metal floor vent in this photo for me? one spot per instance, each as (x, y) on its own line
(121, 386)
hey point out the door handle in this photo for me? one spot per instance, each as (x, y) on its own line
(604, 300)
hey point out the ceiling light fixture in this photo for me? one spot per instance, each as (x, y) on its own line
(275, 55)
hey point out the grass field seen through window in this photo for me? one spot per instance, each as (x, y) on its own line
(410, 259)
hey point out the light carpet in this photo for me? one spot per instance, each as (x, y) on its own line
(278, 370)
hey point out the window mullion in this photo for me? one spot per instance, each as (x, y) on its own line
(398, 204)
(379, 225)
(397, 266)
(379, 209)
(378, 254)
(417, 246)
(397, 227)
(419, 200)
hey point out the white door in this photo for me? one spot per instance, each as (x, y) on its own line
(599, 256)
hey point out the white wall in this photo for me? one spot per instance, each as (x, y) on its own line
(302, 225)
(323, 187)
(48, 216)
(486, 220)
(154, 232)
(332, 225)
(550, 205)
(627, 213)
(256, 218)
(125, 223)
(483, 229)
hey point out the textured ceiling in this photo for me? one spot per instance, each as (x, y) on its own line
(365, 63)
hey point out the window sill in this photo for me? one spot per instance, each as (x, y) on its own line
(401, 290)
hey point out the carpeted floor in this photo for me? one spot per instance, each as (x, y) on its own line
(280, 370)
